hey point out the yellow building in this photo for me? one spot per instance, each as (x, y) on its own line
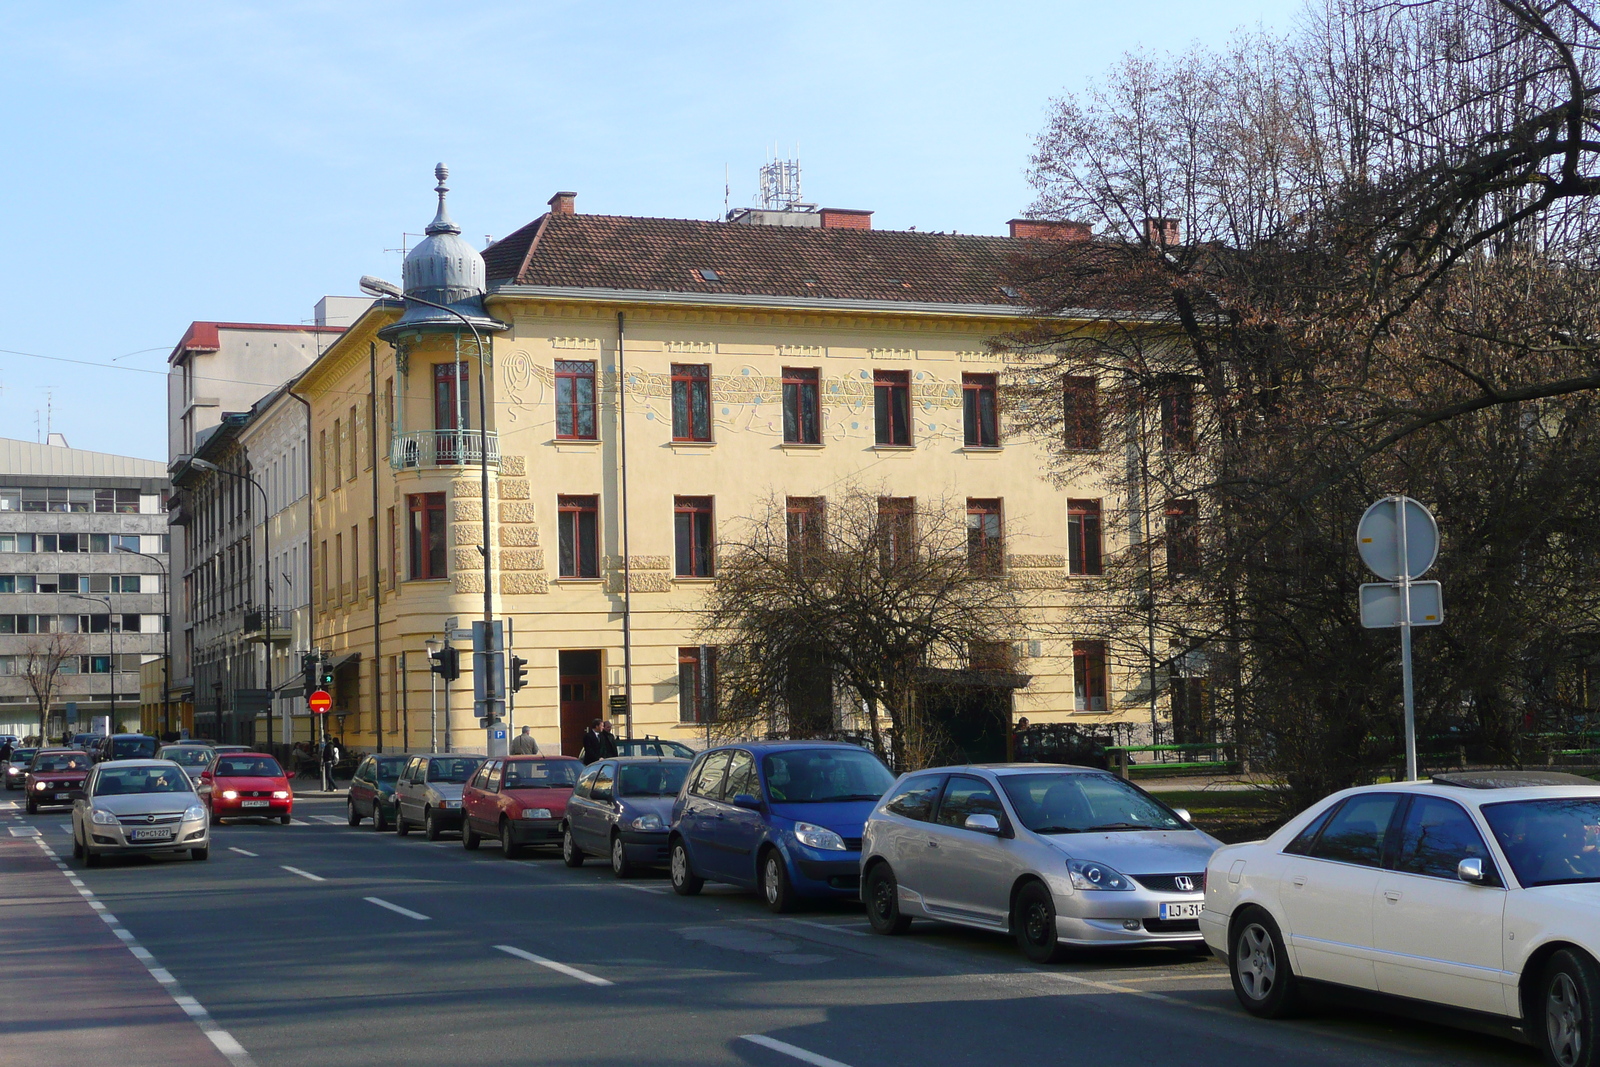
(777, 355)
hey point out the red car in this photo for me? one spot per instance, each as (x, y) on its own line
(246, 785)
(519, 799)
(55, 777)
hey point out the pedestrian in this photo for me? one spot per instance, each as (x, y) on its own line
(524, 744)
(330, 756)
(5, 751)
(608, 741)
(591, 743)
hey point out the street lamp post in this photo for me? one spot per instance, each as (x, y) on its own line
(166, 638)
(266, 565)
(111, 635)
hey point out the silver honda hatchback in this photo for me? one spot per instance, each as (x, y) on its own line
(1057, 856)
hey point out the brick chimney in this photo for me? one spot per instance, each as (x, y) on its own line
(1163, 233)
(840, 218)
(1048, 230)
(561, 204)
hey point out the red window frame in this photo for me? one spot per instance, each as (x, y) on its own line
(1183, 537)
(1085, 547)
(985, 537)
(691, 402)
(897, 517)
(578, 536)
(576, 379)
(1177, 414)
(802, 406)
(697, 681)
(428, 548)
(694, 536)
(891, 391)
(980, 411)
(1080, 401)
(804, 516)
(1089, 675)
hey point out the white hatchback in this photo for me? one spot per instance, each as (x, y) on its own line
(1477, 893)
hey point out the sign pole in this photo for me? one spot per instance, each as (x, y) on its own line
(1405, 640)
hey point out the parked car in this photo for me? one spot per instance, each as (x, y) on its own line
(132, 806)
(780, 817)
(521, 800)
(17, 766)
(86, 742)
(1474, 893)
(246, 785)
(125, 746)
(371, 793)
(194, 759)
(622, 809)
(654, 746)
(1056, 856)
(228, 750)
(428, 793)
(55, 777)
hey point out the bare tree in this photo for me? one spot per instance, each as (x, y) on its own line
(41, 670)
(866, 597)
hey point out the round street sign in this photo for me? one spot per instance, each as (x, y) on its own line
(1378, 538)
(320, 702)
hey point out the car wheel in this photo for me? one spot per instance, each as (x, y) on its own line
(620, 864)
(200, 853)
(91, 858)
(776, 889)
(380, 821)
(508, 848)
(470, 840)
(77, 846)
(1567, 1003)
(1262, 978)
(401, 827)
(571, 854)
(284, 819)
(430, 825)
(33, 808)
(882, 894)
(351, 815)
(685, 882)
(1034, 922)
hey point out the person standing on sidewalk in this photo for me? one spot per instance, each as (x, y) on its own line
(330, 756)
(608, 741)
(524, 744)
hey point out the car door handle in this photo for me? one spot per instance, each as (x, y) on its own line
(1300, 882)
(1392, 895)
(933, 844)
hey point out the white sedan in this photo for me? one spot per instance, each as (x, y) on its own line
(1478, 893)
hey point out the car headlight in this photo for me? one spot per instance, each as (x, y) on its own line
(818, 837)
(230, 794)
(1086, 874)
(647, 822)
(40, 787)
(101, 817)
(280, 794)
(443, 803)
(193, 812)
(11, 770)
(535, 813)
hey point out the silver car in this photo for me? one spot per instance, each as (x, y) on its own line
(194, 759)
(428, 793)
(146, 805)
(1057, 856)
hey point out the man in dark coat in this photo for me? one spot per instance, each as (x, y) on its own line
(608, 741)
(593, 746)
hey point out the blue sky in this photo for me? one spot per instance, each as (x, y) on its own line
(176, 161)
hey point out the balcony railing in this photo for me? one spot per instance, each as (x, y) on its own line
(441, 448)
(282, 625)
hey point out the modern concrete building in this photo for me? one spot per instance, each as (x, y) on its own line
(83, 586)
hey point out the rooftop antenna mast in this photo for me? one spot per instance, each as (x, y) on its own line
(780, 184)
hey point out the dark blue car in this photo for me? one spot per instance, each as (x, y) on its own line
(780, 817)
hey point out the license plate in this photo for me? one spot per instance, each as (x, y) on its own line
(253, 804)
(62, 796)
(1183, 910)
(154, 834)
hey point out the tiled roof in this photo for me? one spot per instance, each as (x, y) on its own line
(667, 255)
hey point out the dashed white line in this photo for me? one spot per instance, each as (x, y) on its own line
(303, 874)
(657, 890)
(397, 909)
(795, 1051)
(244, 852)
(560, 968)
(829, 927)
(331, 820)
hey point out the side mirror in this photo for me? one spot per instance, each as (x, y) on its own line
(1183, 813)
(984, 824)
(745, 800)
(1470, 871)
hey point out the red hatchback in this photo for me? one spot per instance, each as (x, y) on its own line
(519, 799)
(246, 785)
(55, 777)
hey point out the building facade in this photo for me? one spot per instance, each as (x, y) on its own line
(83, 586)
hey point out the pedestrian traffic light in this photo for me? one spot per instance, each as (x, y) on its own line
(325, 674)
(446, 663)
(519, 673)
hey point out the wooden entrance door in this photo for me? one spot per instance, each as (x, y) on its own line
(580, 697)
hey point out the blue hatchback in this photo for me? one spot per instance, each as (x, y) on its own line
(780, 817)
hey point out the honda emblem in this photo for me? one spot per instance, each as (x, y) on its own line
(1183, 883)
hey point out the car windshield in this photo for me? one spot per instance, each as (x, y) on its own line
(1073, 803)
(652, 779)
(541, 774)
(452, 770)
(123, 781)
(1549, 842)
(823, 775)
(134, 747)
(63, 761)
(23, 755)
(389, 769)
(188, 757)
(247, 767)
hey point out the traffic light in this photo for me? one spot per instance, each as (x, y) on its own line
(519, 673)
(325, 674)
(308, 670)
(446, 663)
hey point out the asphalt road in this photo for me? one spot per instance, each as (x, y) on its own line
(320, 945)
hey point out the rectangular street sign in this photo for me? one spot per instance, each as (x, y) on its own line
(499, 635)
(1382, 605)
(488, 675)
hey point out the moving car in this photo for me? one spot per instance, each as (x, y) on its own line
(194, 759)
(653, 746)
(371, 793)
(1475, 893)
(780, 817)
(621, 809)
(1057, 856)
(133, 806)
(55, 776)
(125, 746)
(17, 767)
(428, 793)
(246, 785)
(521, 800)
(86, 742)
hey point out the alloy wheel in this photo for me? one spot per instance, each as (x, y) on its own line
(1257, 962)
(1563, 1020)
(770, 884)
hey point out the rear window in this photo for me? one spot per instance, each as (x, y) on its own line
(540, 774)
(451, 770)
(389, 769)
(248, 767)
(134, 747)
(652, 779)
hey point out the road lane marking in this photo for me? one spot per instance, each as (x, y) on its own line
(560, 968)
(657, 890)
(245, 852)
(829, 927)
(298, 822)
(803, 1055)
(331, 820)
(24, 831)
(303, 874)
(397, 909)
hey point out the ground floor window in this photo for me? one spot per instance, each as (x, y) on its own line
(1089, 674)
(697, 668)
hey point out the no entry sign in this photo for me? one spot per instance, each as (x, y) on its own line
(320, 702)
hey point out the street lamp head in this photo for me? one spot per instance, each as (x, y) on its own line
(204, 465)
(378, 287)
(433, 644)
